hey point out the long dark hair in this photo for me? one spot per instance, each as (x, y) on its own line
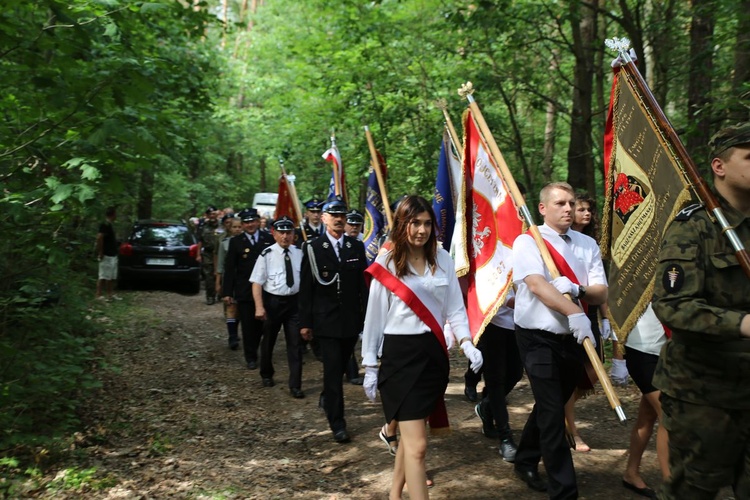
(592, 229)
(407, 210)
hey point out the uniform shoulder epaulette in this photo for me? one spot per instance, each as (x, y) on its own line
(265, 251)
(688, 211)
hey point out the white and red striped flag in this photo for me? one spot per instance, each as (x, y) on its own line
(492, 225)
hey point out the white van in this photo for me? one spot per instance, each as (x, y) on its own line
(265, 203)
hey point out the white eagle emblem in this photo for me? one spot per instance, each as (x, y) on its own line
(479, 237)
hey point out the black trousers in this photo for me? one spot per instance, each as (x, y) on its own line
(336, 355)
(281, 311)
(252, 330)
(502, 370)
(553, 364)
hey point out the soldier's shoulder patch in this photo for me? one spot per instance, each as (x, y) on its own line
(673, 278)
(265, 251)
(688, 211)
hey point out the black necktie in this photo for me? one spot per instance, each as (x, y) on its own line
(289, 271)
(565, 238)
(338, 250)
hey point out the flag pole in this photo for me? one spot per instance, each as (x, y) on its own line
(379, 174)
(442, 105)
(466, 91)
(686, 163)
(295, 199)
(336, 167)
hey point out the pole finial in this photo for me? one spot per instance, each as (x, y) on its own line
(441, 104)
(617, 44)
(466, 89)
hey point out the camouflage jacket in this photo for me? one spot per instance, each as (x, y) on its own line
(702, 294)
(207, 236)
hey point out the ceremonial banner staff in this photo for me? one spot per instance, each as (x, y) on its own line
(379, 175)
(630, 71)
(295, 200)
(440, 103)
(465, 91)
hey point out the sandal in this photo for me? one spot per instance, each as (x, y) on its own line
(390, 441)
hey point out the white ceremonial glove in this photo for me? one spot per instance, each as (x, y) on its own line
(450, 340)
(619, 372)
(580, 327)
(606, 329)
(474, 355)
(617, 62)
(370, 384)
(564, 285)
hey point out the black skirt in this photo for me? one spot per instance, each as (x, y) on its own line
(641, 367)
(413, 376)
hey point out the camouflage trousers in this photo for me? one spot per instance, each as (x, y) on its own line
(709, 448)
(207, 271)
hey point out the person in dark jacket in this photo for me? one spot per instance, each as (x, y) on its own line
(333, 298)
(242, 253)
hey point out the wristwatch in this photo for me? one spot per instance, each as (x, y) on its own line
(581, 292)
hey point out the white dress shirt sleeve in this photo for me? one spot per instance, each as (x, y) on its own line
(378, 304)
(260, 273)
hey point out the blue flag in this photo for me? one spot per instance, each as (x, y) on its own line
(443, 204)
(375, 222)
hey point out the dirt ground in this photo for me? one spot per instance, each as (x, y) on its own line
(185, 418)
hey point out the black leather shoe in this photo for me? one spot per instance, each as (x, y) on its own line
(471, 393)
(234, 344)
(268, 382)
(341, 436)
(644, 492)
(296, 393)
(356, 381)
(210, 301)
(252, 365)
(508, 449)
(532, 479)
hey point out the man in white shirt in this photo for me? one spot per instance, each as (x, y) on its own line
(549, 329)
(276, 279)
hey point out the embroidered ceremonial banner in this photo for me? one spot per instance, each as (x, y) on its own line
(492, 226)
(645, 188)
(375, 220)
(443, 203)
(285, 203)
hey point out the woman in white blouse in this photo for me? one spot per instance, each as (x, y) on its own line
(414, 292)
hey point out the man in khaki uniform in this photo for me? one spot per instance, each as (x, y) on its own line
(703, 296)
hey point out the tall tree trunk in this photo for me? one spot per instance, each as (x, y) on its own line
(145, 194)
(550, 123)
(739, 109)
(658, 59)
(580, 149)
(699, 82)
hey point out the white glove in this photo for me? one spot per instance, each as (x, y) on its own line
(474, 355)
(370, 384)
(617, 62)
(619, 372)
(450, 340)
(564, 285)
(580, 327)
(606, 329)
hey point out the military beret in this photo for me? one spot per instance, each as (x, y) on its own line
(335, 206)
(211, 209)
(313, 204)
(225, 217)
(728, 138)
(249, 214)
(355, 217)
(283, 224)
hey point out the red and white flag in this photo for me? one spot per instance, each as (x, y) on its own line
(492, 225)
(338, 179)
(285, 203)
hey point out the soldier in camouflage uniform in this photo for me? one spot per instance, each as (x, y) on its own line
(207, 241)
(702, 294)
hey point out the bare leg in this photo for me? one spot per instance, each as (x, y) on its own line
(639, 437)
(110, 286)
(412, 449)
(662, 436)
(570, 423)
(99, 287)
(399, 479)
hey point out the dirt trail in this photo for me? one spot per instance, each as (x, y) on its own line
(186, 419)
